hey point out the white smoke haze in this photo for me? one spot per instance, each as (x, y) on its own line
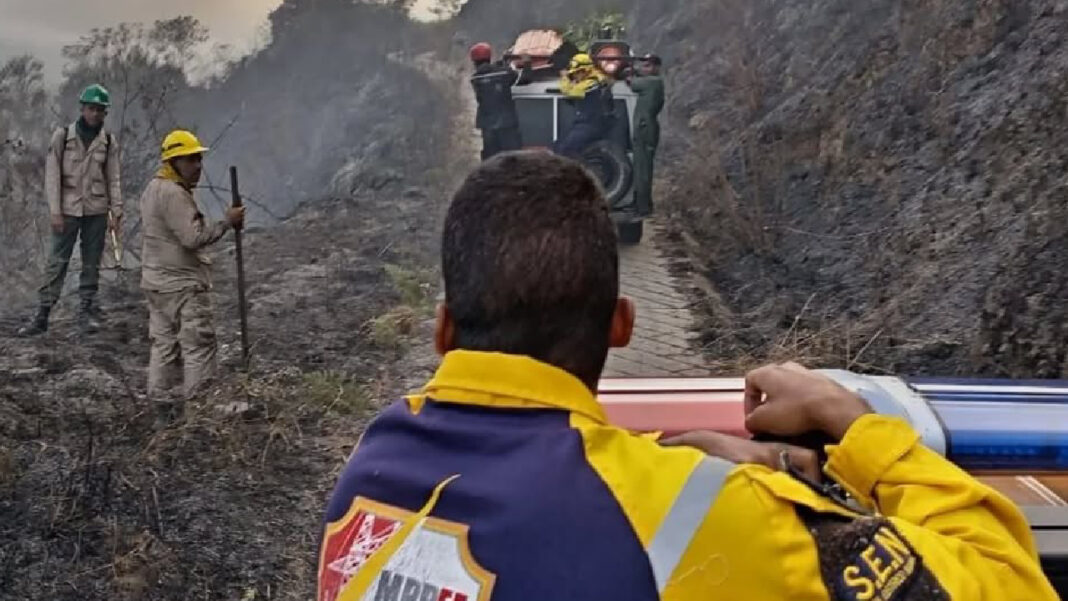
(43, 27)
(238, 27)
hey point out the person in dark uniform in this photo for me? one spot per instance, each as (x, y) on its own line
(496, 117)
(590, 90)
(650, 89)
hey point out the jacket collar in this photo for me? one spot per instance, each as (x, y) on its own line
(72, 134)
(166, 172)
(511, 381)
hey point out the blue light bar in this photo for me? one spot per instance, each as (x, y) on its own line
(981, 424)
(985, 435)
(1002, 424)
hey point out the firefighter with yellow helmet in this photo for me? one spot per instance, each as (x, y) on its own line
(176, 271)
(589, 90)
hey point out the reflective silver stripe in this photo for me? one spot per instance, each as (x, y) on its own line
(685, 517)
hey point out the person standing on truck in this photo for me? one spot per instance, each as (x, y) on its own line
(646, 138)
(590, 90)
(496, 117)
(504, 480)
(176, 272)
(83, 187)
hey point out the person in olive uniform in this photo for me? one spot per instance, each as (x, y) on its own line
(84, 192)
(496, 117)
(650, 89)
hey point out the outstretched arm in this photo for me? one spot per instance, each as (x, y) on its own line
(188, 223)
(938, 534)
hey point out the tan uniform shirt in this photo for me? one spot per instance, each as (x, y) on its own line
(175, 234)
(75, 180)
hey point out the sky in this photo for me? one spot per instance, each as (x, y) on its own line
(43, 27)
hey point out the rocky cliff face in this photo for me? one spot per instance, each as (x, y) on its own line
(879, 175)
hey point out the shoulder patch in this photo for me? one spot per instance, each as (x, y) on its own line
(867, 559)
(433, 564)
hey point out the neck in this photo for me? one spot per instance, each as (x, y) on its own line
(168, 172)
(85, 124)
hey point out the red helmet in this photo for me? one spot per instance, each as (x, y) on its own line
(481, 52)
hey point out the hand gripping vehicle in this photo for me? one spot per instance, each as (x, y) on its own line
(545, 114)
(1013, 435)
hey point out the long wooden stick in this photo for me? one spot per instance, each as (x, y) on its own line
(242, 307)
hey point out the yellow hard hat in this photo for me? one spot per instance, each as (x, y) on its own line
(180, 143)
(579, 61)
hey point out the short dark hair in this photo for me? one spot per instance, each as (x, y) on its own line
(530, 262)
(652, 59)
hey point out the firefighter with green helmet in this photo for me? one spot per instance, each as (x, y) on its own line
(83, 187)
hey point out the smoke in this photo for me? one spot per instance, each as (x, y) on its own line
(323, 96)
(43, 27)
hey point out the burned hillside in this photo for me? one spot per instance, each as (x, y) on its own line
(109, 494)
(875, 184)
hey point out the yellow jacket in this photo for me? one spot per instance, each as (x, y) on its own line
(551, 501)
(578, 89)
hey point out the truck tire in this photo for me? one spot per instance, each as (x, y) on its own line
(630, 232)
(610, 164)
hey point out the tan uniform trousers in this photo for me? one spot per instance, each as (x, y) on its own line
(183, 340)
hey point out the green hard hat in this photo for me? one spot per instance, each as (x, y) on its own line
(95, 94)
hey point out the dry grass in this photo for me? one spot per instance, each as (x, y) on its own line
(336, 392)
(414, 285)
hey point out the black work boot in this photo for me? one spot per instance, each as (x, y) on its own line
(38, 326)
(88, 316)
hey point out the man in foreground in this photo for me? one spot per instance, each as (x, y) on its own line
(504, 481)
(83, 186)
(176, 272)
(646, 137)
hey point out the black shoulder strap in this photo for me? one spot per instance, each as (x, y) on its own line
(62, 152)
(107, 151)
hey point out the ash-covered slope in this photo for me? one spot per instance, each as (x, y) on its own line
(876, 175)
(106, 493)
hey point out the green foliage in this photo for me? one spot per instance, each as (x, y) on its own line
(581, 33)
(389, 330)
(413, 285)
